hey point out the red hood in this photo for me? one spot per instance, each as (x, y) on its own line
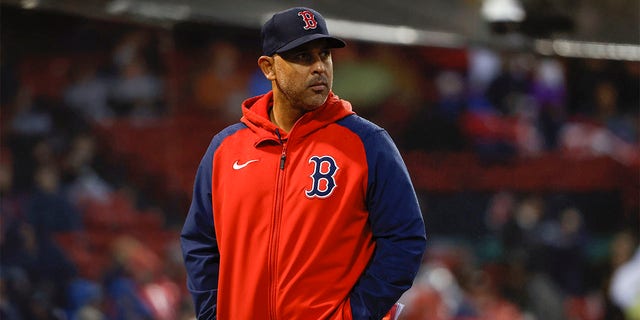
(255, 113)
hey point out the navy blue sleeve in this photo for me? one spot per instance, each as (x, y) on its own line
(396, 222)
(198, 238)
(199, 245)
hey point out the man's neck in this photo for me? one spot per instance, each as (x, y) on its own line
(284, 117)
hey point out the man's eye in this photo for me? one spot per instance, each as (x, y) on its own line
(325, 54)
(301, 56)
(306, 57)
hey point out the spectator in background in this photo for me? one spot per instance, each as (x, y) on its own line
(136, 287)
(521, 235)
(451, 285)
(549, 91)
(11, 218)
(499, 211)
(137, 89)
(35, 272)
(512, 84)
(484, 66)
(82, 181)
(28, 153)
(88, 92)
(136, 92)
(84, 300)
(31, 116)
(219, 86)
(8, 310)
(607, 133)
(452, 95)
(18, 288)
(49, 209)
(42, 308)
(609, 115)
(525, 261)
(138, 43)
(565, 239)
(434, 124)
(519, 110)
(48, 212)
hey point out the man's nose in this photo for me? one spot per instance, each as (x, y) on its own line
(319, 65)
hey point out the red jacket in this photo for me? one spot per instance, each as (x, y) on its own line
(319, 223)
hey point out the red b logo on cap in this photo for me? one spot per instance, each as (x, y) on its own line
(309, 19)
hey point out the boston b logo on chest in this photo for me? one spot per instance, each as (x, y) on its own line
(323, 177)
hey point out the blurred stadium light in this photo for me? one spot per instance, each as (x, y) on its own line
(395, 34)
(590, 50)
(150, 9)
(503, 10)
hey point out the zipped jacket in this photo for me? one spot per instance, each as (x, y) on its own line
(318, 223)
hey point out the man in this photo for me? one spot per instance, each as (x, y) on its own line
(303, 210)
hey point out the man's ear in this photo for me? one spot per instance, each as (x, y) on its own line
(266, 65)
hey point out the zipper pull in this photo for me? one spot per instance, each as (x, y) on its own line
(283, 157)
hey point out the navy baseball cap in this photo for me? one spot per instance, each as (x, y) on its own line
(294, 27)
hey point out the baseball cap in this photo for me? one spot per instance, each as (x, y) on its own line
(294, 27)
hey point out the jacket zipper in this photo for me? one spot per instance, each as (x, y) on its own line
(283, 156)
(275, 230)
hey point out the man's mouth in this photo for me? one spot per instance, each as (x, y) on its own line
(318, 85)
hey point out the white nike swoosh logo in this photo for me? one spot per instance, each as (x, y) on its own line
(238, 166)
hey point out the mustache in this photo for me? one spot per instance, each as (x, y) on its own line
(318, 81)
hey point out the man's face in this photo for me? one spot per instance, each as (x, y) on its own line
(304, 75)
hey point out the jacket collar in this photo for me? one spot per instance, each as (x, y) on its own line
(255, 113)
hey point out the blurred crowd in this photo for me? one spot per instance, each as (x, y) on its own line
(528, 257)
(497, 103)
(73, 221)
